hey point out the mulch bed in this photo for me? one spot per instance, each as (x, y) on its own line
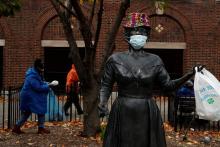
(67, 134)
(193, 138)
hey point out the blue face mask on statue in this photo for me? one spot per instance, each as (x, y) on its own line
(138, 41)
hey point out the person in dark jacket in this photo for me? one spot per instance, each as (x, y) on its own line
(186, 90)
(135, 120)
(33, 97)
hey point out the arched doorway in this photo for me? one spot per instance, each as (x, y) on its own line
(57, 63)
(167, 40)
(56, 51)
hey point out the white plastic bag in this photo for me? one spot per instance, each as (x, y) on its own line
(207, 95)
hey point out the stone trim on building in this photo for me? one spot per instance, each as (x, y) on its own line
(2, 42)
(165, 45)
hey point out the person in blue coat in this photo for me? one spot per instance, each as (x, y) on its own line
(33, 98)
(186, 90)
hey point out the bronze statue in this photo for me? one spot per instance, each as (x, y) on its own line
(135, 120)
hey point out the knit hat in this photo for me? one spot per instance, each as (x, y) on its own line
(137, 19)
(38, 64)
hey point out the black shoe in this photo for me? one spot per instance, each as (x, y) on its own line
(16, 129)
(80, 112)
(67, 113)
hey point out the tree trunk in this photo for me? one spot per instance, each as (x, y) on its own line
(87, 73)
(90, 101)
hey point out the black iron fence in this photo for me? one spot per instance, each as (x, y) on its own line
(9, 106)
(168, 105)
(10, 113)
(185, 116)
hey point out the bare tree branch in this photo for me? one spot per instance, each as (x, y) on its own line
(68, 9)
(86, 33)
(92, 12)
(99, 23)
(111, 38)
(74, 51)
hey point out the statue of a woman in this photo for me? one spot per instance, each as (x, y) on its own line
(135, 120)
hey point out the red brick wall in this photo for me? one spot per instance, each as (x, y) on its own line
(194, 22)
(1, 33)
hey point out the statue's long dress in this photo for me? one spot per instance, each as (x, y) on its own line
(135, 120)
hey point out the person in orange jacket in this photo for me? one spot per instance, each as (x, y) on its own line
(72, 90)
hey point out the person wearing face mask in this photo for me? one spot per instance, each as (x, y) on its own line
(135, 120)
(33, 97)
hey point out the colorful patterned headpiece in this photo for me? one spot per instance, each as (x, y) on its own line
(137, 19)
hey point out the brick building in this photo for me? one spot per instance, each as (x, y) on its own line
(187, 33)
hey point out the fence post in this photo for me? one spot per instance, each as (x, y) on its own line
(3, 107)
(9, 108)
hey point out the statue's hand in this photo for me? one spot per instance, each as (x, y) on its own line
(198, 68)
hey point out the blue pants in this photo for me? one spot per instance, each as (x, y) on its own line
(25, 115)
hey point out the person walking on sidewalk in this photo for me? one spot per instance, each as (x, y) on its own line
(33, 97)
(72, 91)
